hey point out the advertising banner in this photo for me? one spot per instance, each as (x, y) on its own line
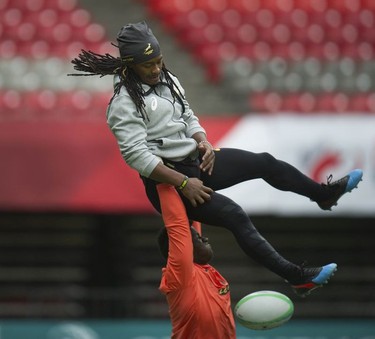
(76, 165)
(318, 146)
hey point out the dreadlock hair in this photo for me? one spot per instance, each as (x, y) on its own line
(93, 63)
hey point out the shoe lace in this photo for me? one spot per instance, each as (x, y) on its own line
(301, 267)
(335, 183)
(329, 179)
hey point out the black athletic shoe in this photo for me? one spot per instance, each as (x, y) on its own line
(313, 278)
(340, 187)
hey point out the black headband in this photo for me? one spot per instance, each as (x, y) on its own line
(137, 43)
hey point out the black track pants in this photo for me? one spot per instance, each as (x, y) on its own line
(233, 166)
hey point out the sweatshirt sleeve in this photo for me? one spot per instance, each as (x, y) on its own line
(179, 268)
(131, 134)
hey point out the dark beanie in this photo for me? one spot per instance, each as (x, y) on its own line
(137, 43)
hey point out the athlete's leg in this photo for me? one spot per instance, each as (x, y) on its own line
(233, 166)
(223, 212)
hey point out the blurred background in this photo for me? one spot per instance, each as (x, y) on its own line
(78, 252)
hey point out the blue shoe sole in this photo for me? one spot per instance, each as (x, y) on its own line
(325, 274)
(355, 177)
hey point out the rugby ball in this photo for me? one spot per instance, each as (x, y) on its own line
(264, 310)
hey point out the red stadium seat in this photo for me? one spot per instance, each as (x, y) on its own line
(358, 103)
(266, 102)
(272, 102)
(370, 103)
(77, 18)
(306, 103)
(325, 103)
(291, 103)
(47, 18)
(8, 48)
(38, 49)
(246, 5)
(62, 5)
(41, 104)
(10, 104)
(247, 33)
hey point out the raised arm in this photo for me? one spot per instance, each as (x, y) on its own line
(180, 256)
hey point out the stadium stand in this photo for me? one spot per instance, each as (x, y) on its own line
(303, 56)
(38, 40)
(308, 56)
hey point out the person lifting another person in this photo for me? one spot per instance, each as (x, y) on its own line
(160, 136)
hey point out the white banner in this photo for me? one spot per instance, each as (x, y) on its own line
(318, 146)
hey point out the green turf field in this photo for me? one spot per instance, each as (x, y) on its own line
(295, 329)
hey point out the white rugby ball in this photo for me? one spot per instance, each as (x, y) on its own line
(264, 310)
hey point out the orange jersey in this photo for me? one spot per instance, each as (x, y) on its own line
(198, 296)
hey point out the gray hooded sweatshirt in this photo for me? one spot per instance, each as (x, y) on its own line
(167, 135)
